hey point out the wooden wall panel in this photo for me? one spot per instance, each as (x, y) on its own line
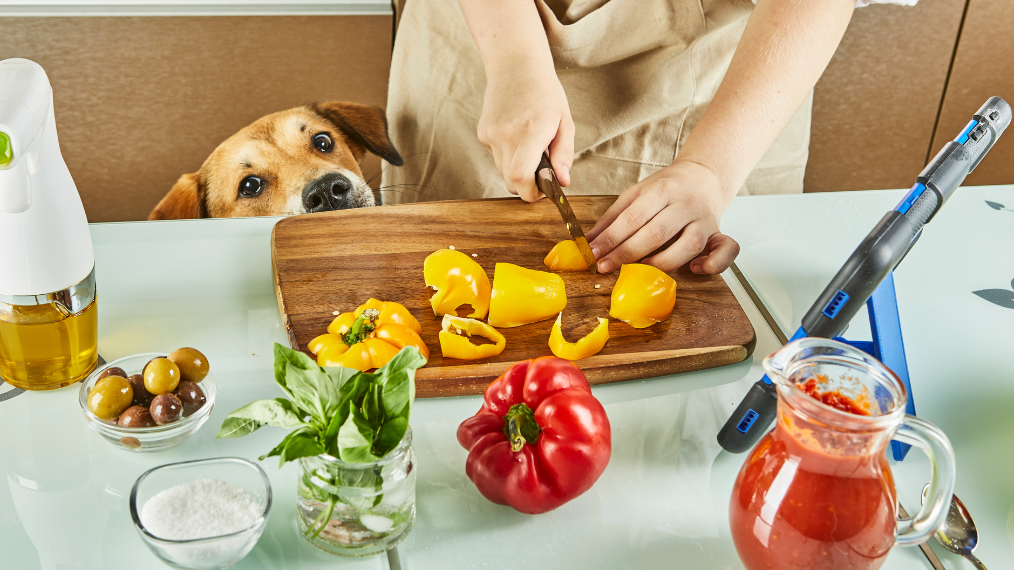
(141, 100)
(983, 67)
(875, 106)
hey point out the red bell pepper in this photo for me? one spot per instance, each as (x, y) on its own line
(540, 439)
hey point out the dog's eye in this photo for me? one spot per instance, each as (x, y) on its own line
(251, 186)
(323, 142)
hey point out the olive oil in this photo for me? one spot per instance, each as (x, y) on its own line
(43, 347)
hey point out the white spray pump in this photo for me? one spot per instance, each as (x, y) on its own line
(46, 258)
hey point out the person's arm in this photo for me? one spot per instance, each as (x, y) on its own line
(784, 49)
(525, 110)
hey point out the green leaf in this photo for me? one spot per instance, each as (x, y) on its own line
(304, 444)
(340, 376)
(285, 356)
(277, 450)
(300, 443)
(390, 435)
(398, 380)
(355, 438)
(327, 394)
(303, 385)
(237, 427)
(279, 412)
(373, 411)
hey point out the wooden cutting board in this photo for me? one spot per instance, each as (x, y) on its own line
(335, 261)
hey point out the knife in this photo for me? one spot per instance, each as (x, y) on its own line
(545, 177)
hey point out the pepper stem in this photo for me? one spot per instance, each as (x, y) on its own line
(360, 328)
(520, 426)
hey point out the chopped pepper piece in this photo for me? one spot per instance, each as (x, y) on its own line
(565, 256)
(369, 337)
(588, 345)
(522, 296)
(643, 295)
(458, 280)
(454, 341)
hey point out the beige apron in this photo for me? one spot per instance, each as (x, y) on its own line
(638, 76)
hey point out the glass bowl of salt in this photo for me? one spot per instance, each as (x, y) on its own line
(201, 515)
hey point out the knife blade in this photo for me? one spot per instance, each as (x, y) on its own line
(545, 177)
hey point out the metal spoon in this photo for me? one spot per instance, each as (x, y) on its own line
(958, 533)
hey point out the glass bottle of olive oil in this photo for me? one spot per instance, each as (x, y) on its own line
(49, 341)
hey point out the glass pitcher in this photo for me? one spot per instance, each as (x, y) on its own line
(817, 492)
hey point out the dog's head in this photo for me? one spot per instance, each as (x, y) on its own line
(293, 162)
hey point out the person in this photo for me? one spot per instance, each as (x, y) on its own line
(681, 104)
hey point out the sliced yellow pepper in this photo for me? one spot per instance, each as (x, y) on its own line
(521, 296)
(565, 256)
(368, 337)
(458, 280)
(643, 295)
(454, 335)
(588, 345)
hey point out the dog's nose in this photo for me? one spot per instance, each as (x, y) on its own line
(329, 192)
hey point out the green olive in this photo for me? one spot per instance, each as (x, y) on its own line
(110, 396)
(193, 365)
(161, 376)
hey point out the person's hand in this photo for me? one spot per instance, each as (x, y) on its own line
(525, 111)
(684, 199)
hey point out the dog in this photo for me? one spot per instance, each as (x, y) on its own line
(302, 160)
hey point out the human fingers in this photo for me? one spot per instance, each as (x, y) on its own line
(626, 198)
(689, 245)
(561, 151)
(718, 255)
(641, 228)
(524, 161)
(505, 161)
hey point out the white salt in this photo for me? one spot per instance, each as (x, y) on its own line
(201, 509)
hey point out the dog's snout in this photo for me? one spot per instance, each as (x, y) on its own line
(329, 192)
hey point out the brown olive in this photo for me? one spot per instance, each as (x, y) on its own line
(193, 364)
(192, 397)
(110, 396)
(136, 416)
(142, 397)
(161, 376)
(114, 371)
(166, 409)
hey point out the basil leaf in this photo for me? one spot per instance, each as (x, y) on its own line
(280, 413)
(398, 380)
(302, 444)
(278, 449)
(327, 393)
(284, 356)
(303, 385)
(355, 438)
(331, 433)
(237, 427)
(390, 435)
(373, 411)
(341, 376)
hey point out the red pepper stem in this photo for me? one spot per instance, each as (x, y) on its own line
(520, 426)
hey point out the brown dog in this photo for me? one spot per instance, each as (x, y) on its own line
(292, 162)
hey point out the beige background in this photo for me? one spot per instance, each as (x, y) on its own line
(141, 100)
(983, 66)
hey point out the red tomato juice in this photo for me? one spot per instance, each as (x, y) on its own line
(797, 507)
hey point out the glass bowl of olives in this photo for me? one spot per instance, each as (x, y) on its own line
(151, 401)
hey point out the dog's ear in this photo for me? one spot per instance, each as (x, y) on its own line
(364, 125)
(182, 202)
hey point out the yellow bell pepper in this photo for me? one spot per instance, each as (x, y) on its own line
(521, 296)
(643, 295)
(458, 280)
(588, 345)
(565, 256)
(455, 343)
(369, 337)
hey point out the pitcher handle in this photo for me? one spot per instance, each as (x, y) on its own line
(926, 436)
